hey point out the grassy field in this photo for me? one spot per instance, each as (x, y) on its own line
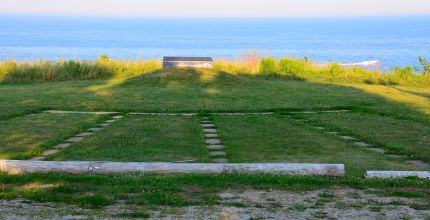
(397, 136)
(279, 139)
(143, 138)
(27, 136)
(396, 117)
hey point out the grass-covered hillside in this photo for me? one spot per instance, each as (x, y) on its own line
(393, 117)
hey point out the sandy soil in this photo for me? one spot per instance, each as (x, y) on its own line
(246, 204)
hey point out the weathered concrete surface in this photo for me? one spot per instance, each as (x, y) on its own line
(216, 153)
(74, 139)
(62, 145)
(397, 174)
(215, 147)
(84, 134)
(162, 114)
(79, 112)
(213, 141)
(316, 112)
(209, 130)
(25, 166)
(213, 135)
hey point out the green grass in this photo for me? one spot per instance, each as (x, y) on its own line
(277, 139)
(381, 110)
(96, 191)
(397, 136)
(142, 138)
(205, 91)
(27, 136)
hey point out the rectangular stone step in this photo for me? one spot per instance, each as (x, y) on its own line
(213, 141)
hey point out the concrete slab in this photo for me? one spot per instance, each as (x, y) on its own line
(94, 129)
(216, 153)
(347, 138)
(104, 124)
(37, 158)
(219, 160)
(109, 121)
(118, 117)
(319, 128)
(50, 152)
(85, 167)
(213, 135)
(79, 112)
(206, 122)
(209, 130)
(397, 174)
(73, 139)
(63, 145)
(362, 144)
(379, 150)
(84, 134)
(419, 163)
(215, 147)
(208, 125)
(213, 141)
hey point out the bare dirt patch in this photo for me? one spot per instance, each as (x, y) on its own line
(336, 203)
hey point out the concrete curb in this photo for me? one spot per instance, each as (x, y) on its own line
(81, 167)
(397, 174)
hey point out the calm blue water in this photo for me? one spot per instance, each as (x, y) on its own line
(392, 41)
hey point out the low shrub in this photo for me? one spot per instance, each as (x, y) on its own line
(268, 66)
(291, 67)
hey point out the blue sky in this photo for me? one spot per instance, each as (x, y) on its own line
(216, 8)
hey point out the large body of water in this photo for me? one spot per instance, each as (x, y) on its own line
(395, 41)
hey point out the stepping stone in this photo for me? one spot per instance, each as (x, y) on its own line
(215, 147)
(394, 156)
(333, 132)
(362, 144)
(73, 139)
(63, 145)
(379, 150)
(94, 129)
(213, 141)
(210, 135)
(37, 158)
(348, 138)
(104, 124)
(50, 152)
(216, 153)
(319, 128)
(205, 118)
(206, 122)
(208, 125)
(219, 160)
(419, 163)
(109, 121)
(209, 130)
(84, 134)
(118, 117)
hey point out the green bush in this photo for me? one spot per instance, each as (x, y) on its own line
(268, 66)
(291, 67)
(335, 69)
(403, 73)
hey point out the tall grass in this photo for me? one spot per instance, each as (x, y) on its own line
(45, 70)
(247, 64)
(305, 70)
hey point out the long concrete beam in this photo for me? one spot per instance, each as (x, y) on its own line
(397, 174)
(81, 167)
